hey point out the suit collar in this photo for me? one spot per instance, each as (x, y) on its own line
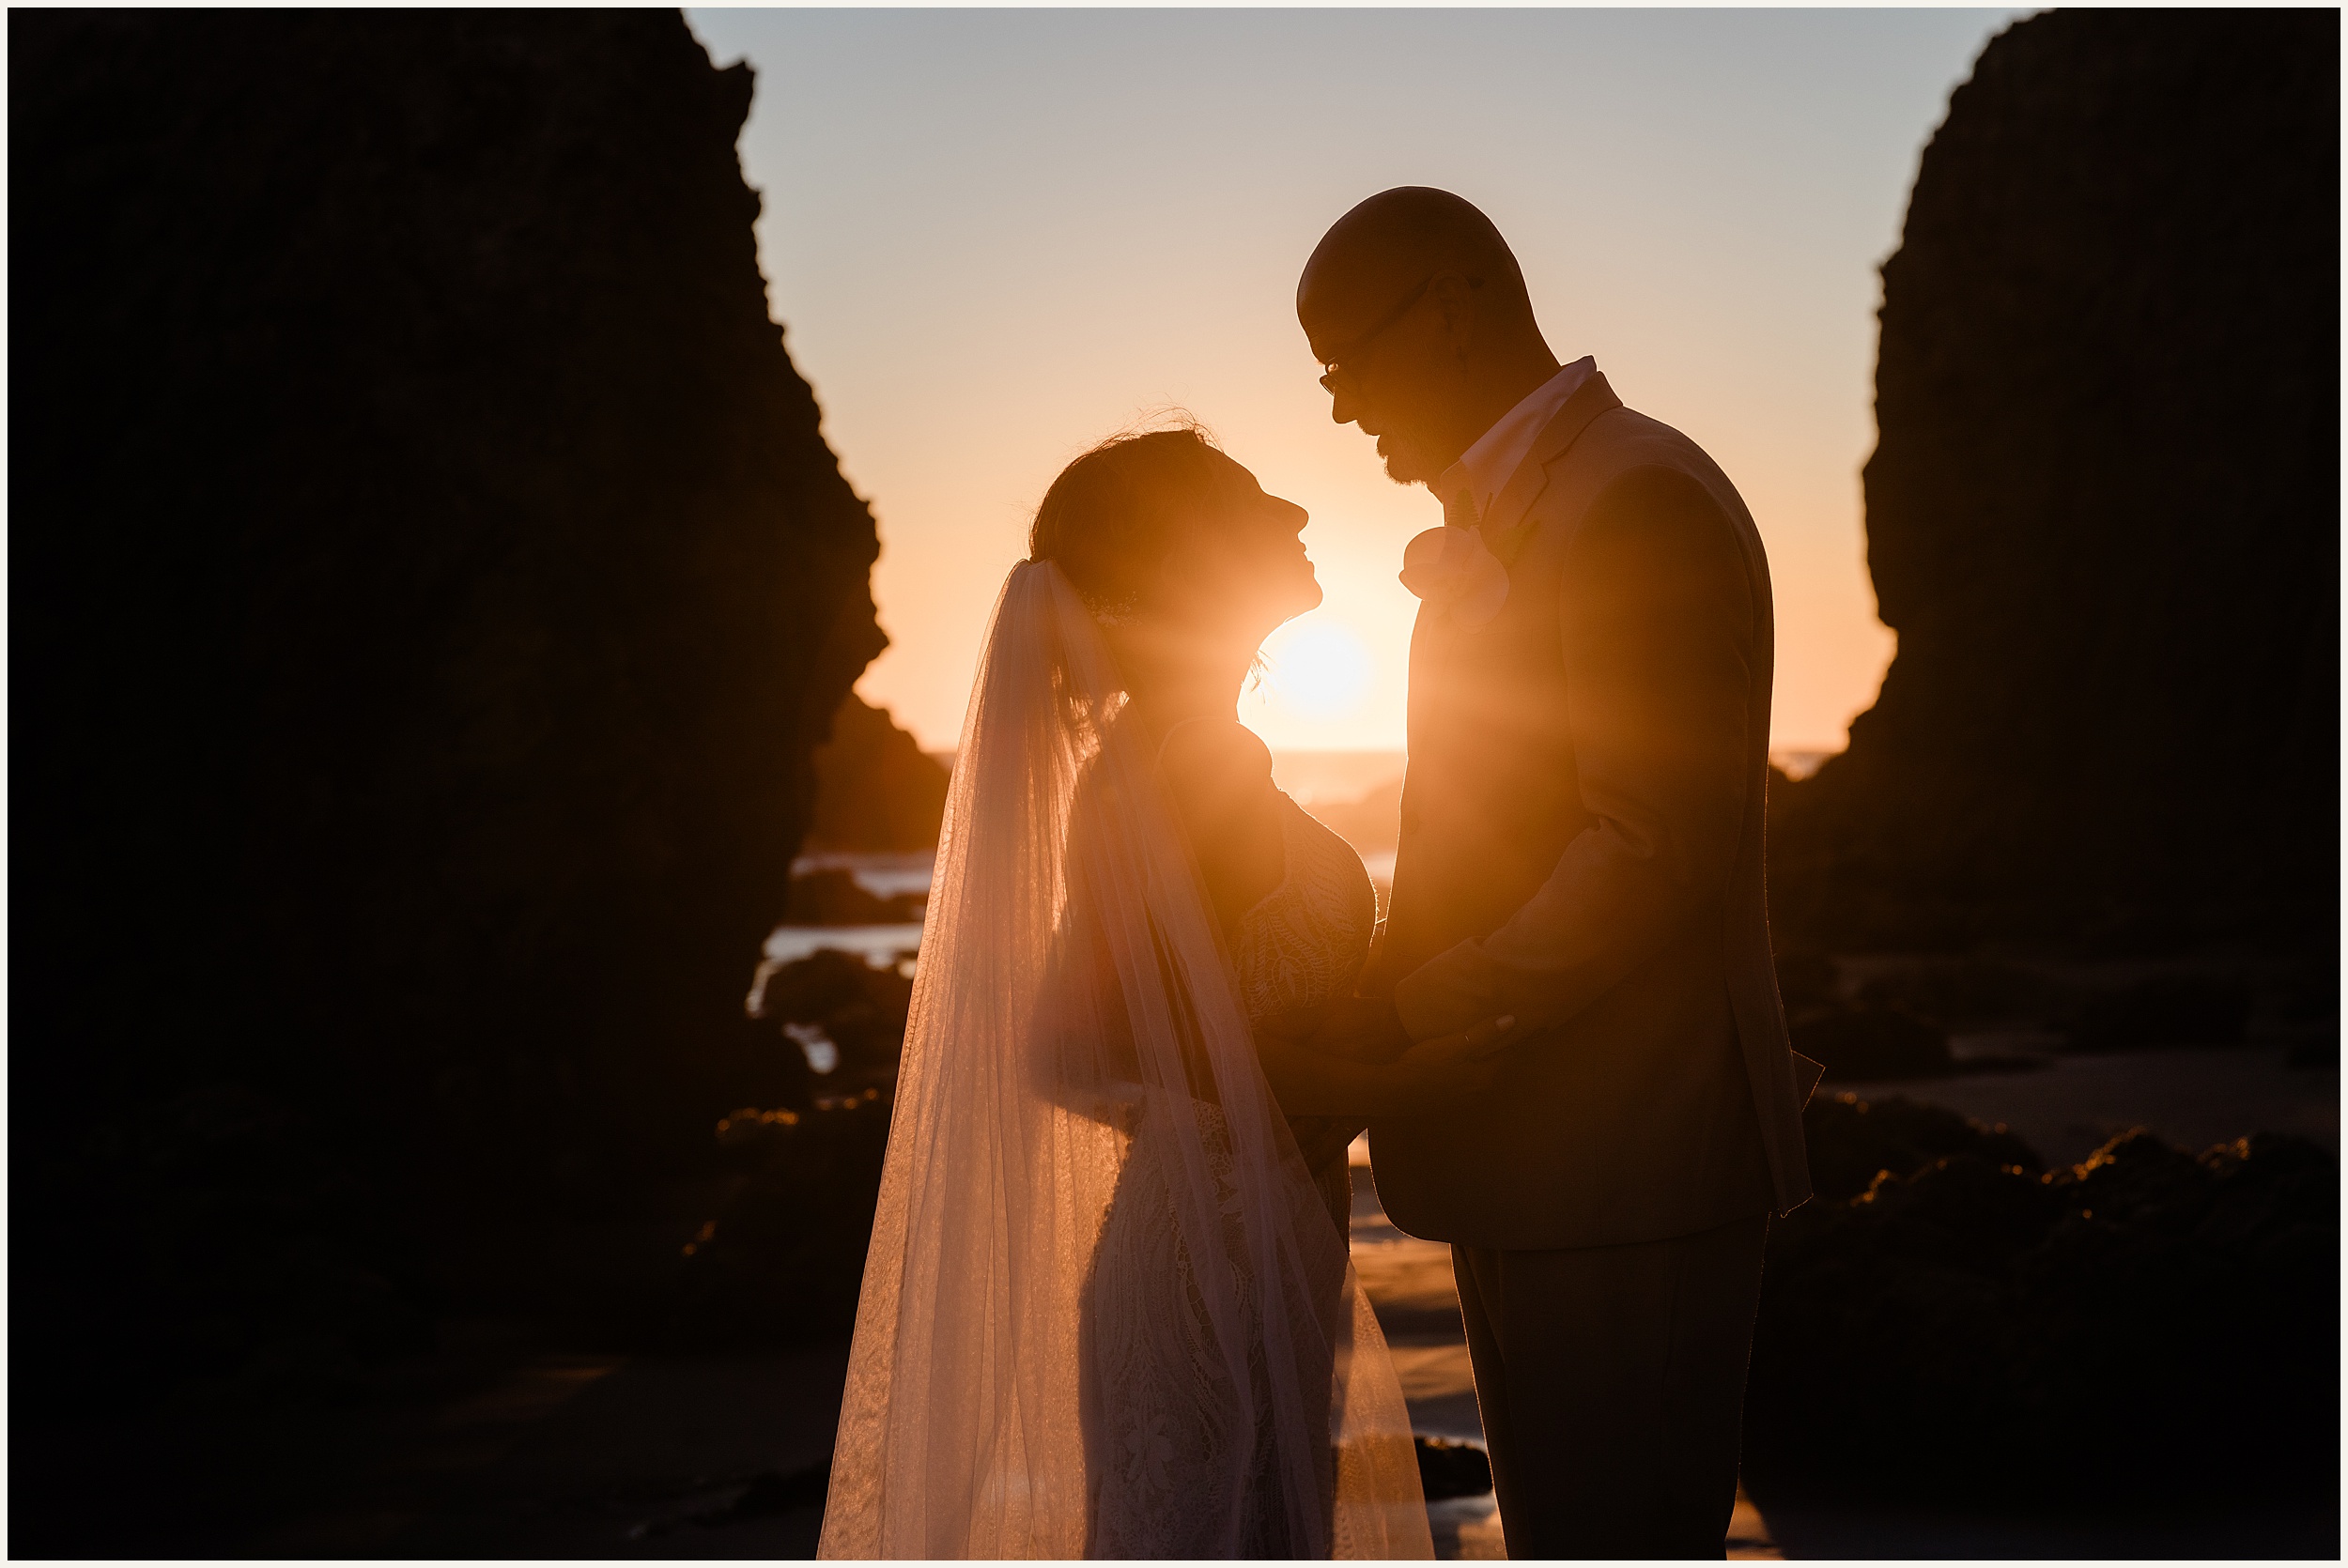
(1503, 527)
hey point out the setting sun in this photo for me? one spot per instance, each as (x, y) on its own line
(1006, 267)
(1315, 667)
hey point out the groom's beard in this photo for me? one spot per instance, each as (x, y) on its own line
(1405, 462)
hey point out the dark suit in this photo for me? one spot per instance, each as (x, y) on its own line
(1581, 846)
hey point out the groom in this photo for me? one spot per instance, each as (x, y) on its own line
(1589, 720)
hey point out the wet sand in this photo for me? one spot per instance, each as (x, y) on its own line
(1410, 1284)
(582, 1457)
(2065, 1111)
(2072, 1105)
(532, 1454)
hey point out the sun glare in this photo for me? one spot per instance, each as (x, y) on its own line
(1317, 668)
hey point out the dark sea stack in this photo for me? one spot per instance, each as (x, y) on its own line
(430, 586)
(2104, 513)
(876, 787)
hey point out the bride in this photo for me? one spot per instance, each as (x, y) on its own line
(1108, 1310)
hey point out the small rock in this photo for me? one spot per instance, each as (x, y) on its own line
(1452, 1470)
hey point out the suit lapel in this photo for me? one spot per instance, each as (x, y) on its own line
(1504, 527)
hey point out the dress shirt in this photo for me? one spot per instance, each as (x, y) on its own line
(1485, 468)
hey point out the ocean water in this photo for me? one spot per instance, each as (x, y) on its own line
(1313, 777)
(1317, 779)
(878, 946)
(1329, 778)
(1334, 778)
(884, 876)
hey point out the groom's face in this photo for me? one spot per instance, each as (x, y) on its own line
(1390, 368)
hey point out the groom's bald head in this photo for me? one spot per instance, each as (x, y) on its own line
(1391, 243)
(1420, 307)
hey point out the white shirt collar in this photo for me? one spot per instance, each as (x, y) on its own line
(1500, 451)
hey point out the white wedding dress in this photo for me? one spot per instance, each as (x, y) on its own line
(1157, 1406)
(1105, 1313)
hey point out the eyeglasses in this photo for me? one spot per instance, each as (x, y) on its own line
(1334, 366)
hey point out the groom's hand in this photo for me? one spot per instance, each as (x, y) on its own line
(1324, 1140)
(1304, 1062)
(1436, 1074)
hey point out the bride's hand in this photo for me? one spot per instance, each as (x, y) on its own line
(1432, 1075)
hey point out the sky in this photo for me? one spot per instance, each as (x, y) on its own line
(994, 238)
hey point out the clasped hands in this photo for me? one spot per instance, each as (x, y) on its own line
(1352, 1059)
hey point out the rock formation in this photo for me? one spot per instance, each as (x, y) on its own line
(1945, 1323)
(2103, 513)
(431, 583)
(876, 787)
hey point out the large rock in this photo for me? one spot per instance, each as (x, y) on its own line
(2102, 515)
(431, 584)
(1852, 1140)
(2145, 1327)
(876, 790)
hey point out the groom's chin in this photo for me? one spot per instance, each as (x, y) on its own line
(1403, 469)
(1402, 461)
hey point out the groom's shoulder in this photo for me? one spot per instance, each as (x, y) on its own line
(1622, 437)
(1624, 444)
(1634, 481)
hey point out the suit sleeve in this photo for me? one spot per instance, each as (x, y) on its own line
(1656, 615)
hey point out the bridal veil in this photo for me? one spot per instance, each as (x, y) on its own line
(1105, 1313)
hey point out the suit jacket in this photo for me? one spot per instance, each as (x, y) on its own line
(1581, 846)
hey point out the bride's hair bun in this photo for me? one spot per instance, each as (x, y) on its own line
(1112, 514)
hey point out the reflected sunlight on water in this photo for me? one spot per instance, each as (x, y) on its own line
(878, 946)
(881, 946)
(882, 876)
(1326, 780)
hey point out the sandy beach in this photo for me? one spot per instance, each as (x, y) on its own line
(489, 1448)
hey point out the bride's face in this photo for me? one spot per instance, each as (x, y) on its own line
(1238, 569)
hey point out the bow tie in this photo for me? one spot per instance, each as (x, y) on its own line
(1451, 567)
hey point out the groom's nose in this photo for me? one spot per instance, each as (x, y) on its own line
(1344, 407)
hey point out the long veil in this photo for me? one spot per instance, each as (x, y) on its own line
(1105, 1313)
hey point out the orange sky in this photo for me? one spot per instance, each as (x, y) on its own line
(996, 236)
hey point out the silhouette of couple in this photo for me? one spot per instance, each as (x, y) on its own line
(1107, 1309)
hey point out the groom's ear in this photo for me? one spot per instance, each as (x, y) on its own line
(1460, 303)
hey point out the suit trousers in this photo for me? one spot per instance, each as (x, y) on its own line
(1611, 1383)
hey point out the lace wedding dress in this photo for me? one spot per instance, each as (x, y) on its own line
(1306, 942)
(1156, 1410)
(1105, 1313)
(1309, 938)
